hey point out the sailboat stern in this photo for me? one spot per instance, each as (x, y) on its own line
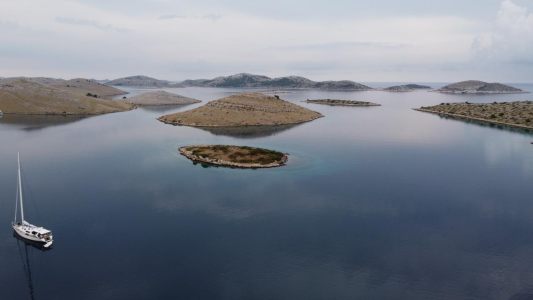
(34, 233)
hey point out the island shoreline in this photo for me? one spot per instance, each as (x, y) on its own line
(463, 117)
(224, 163)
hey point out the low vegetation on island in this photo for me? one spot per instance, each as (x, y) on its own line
(157, 98)
(513, 114)
(249, 109)
(478, 87)
(49, 96)
(335, 102)
(234, 156)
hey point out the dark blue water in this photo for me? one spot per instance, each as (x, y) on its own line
(375, 203)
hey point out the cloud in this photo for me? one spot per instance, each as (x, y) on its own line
(510, 39)
(210, 17)
(90, 23)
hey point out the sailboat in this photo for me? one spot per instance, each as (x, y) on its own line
(23, 228)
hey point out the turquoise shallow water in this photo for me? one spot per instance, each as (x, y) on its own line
(375, 203)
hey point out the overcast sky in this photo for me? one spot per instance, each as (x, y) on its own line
(373, 40)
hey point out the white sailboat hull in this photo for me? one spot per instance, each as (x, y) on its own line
(25, 232)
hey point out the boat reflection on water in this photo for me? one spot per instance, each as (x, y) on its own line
(25, 249)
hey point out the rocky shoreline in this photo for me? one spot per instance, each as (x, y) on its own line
(336, 102)
(510, 114)
(190, 153)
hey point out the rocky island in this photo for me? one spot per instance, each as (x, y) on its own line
(512, 114)
(245, 80)
(478, 87)
(49, 96)
(141, 81)
(157, 98)
(407, 88)
(234, 156)
(334, 102)
(249, 109)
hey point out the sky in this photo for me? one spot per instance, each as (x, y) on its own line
(365, 41)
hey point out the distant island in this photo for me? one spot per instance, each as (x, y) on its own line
(141, 81)
(512, 114)
(242, 80)
(50, 96)
(478, 87)
(407, 88)
(157, 98)
(248, 109)
(234, 156)
(334, 102)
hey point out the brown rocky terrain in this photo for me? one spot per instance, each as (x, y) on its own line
(54, 97)
(234, 156)
(514, 114)
(250, 109)
(160, 98)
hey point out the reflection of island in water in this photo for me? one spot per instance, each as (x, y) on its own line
(36, 122)
(23, 246)
(248, 132)
(490, 125)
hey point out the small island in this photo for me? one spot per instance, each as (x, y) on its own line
(335, 102)
(248, 109)
(512, 114)
(160, 98)
(407, 88)
(478, 87)
(234, 156)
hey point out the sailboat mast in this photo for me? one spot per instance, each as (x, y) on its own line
(20, 191)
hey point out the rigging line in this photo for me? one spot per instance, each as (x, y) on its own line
(16, 204)
(30, 195)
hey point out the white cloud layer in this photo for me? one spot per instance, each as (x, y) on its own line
(186, 39)
(511, 38)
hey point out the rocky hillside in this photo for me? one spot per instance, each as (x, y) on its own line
(251, 109)
(245, 80)
(55, 97)
(160, 98)
(478, 87)
(140, 81)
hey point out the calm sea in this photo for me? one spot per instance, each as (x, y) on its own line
(375, 203)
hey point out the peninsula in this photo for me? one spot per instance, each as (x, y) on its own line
(334, 102)
(249, 109)
(512, 114)
(478, 87)
(234, 156)
(157, 98)
(48, 96)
